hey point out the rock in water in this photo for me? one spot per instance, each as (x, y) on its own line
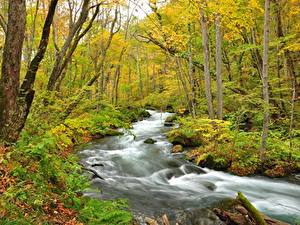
(113, 132)
(167, 124)
(150, 141)
(188, 168)
(177, 149)
(171, 119)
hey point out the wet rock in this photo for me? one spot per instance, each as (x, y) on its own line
(150, 141)
(144, 114)
(150, 221)
(97, 136)
(181, 217)
(97, 164)
(113, 132)
(169, 108)
(178, 138)
(171, 119)
(167, 124)
(177, 149)
(173, 163)
(195, 217)
(212, 162)
(193, 169)
(173, 173)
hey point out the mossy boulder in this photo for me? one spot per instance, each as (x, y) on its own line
(177, 149)
(135, 114)
(150, 141)
(142, 113)
(212, 162)
(199, 132)
(180, 138)
(113, 132)
(170, 121)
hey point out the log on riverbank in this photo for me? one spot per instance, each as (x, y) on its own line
(242, 212)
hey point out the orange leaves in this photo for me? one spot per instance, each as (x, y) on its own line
(5, 179)
(57, 213)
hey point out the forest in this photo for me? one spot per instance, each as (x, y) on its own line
(150, 112)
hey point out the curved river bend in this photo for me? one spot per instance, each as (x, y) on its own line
(154, 180)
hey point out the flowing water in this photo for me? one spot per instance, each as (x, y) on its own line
(154, 180)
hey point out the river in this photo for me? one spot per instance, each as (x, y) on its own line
(154, 180)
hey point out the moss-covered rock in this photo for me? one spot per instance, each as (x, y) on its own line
(171, 119)
(135, 114)
(199, 132)
(178, 138)
(150, 141)
(212, 161)
(177, 149)
(113, 132)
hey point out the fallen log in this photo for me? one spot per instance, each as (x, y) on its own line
(251, 209)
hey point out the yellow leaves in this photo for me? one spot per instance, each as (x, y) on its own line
(295, 7)
(200, 158)
(255, 5)
(293, 47)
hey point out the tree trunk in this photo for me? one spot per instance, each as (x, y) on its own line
(293, 100)
(31, 37)
(139, 73)
(11, 66)
(265, 80)
(184, 86)
(219, 68)
(153, 78)
(206, 64)
(191, 74)
(15, 109)
(60, 64)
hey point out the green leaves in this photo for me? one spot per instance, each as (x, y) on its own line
(98, 212)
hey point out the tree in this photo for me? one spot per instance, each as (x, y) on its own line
(15, 102)
(219, 67)
(206, 63)
(265, 80)
(71, 43)
(11, 66)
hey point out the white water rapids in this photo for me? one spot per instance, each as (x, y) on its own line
(153, 179)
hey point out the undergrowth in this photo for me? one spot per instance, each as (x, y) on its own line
(217, 145)
(41, 178)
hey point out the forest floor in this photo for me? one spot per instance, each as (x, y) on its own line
(41, 177)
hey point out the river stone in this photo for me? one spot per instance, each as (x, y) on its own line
(167, 124)
(97, 164)
(171, 119)
(113, 132)
(193, 169)
(173, 163)
(177, 149)
(150, 141)
(189, 217)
